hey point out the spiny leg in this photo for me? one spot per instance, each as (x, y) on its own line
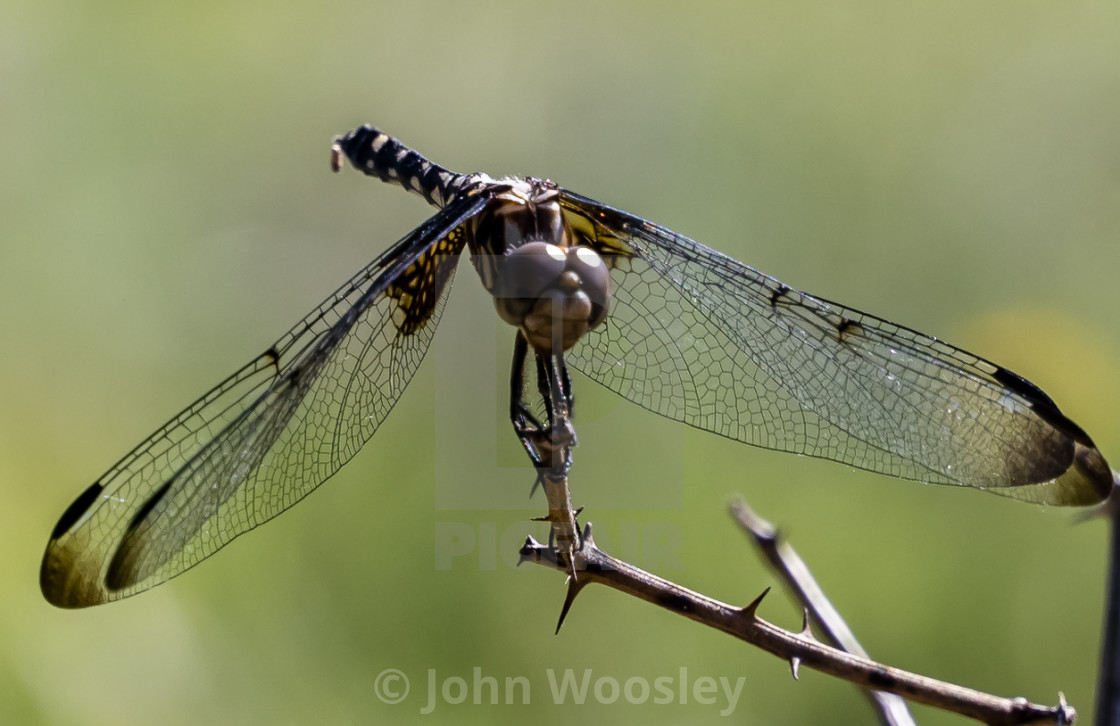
(548, 447)
(525, 424)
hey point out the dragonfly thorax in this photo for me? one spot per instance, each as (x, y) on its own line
(542, 283)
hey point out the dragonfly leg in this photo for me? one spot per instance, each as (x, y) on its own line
(519, 414)
(534, 437)
(548, 446)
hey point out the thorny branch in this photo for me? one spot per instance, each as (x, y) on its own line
(584, 563)
(594, 565)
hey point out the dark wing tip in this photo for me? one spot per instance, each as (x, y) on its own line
(1083, 480)
(1089, 463)
(71, 575)
(68, 578)
(1063, 465)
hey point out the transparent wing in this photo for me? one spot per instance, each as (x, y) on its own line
(265, 437)
(701, 338)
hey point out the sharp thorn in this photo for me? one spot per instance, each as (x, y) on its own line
(806, 629)
(530, 551)
(573, 590)
(795, 666)
(750, 610)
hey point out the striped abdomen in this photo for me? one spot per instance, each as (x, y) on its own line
(380, 155)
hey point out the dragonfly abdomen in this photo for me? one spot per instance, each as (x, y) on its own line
(380, 155)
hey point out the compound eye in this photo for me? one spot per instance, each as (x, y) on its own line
(524, 275)
(595, 277)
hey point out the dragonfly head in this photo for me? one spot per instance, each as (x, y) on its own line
(553, 294)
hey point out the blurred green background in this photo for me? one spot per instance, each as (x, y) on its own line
(167, 211)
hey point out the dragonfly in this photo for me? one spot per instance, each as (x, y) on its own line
(663, 321)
